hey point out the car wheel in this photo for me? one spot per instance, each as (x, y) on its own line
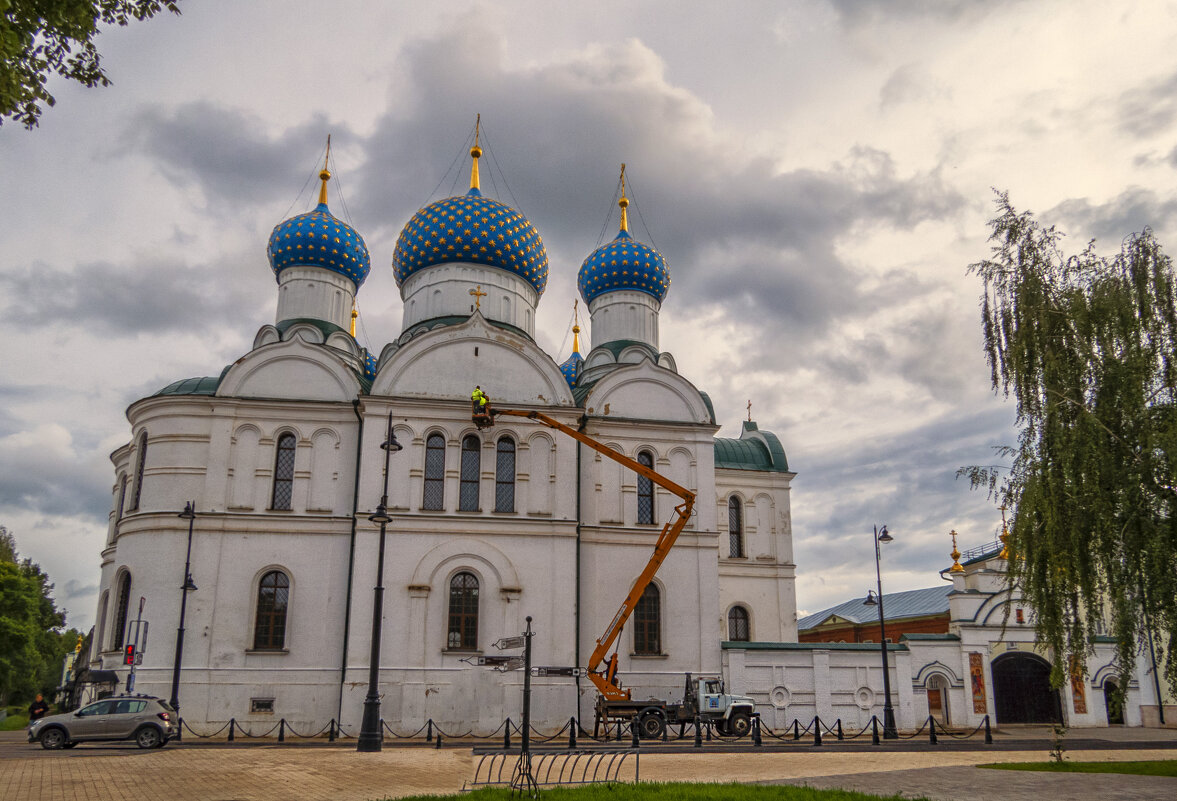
(148, 737)
(52, 739)
(739, 724)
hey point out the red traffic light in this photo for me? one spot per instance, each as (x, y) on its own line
(129, 655)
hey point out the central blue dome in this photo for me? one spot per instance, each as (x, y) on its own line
(624, 263)
(473, 229)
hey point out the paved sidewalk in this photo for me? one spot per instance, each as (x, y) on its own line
(289, 772)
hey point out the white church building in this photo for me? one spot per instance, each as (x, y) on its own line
(281, 455)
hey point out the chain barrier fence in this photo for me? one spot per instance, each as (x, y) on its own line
(510, 733)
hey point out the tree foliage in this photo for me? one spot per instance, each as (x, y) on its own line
(40, 38)
(1085, 345)
(32, 640)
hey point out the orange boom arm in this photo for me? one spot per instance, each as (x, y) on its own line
(606, 680)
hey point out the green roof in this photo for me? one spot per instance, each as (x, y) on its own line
(616, 346)
(754, 450)
(204, 385)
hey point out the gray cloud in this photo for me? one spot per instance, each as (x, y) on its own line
(44, 470)
(861, 12)
(133, 297)
(1149, 109)
(1131, 211)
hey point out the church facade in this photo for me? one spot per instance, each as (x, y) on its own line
(281, 455)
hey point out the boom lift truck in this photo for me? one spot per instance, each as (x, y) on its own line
(703, 697)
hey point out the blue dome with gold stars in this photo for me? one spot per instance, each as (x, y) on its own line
(623, 263)
(319, 239)
(474, 229)
(571, 368)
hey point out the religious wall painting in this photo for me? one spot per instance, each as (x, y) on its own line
(977, 675)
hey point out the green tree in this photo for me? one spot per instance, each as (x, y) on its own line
(1085, 345)
(32, 643)
(39, 38)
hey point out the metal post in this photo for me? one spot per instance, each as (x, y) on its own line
(698, 734)
(889, 730)
(932, 733)
(507, 735)
(988, 732)
(874, 729)
(572, 733)
(188, 514)
(527, 688)
(371, 731)
(756, 741)
(816, 730)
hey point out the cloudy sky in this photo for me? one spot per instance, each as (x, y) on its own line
(819, 176)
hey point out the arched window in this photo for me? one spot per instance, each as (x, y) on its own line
(273, 598)
(735, 527)
(284, 472)
(100, 630)
(645, 490)
(434, 499)
(120, 615)
(647, 622)
(463, 623)
(118, 515)
(505, 475)
(140, 462)
(471, 464)
(737, 624)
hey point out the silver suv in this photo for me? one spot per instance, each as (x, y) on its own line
(142, 718)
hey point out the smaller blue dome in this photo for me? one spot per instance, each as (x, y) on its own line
(623, 263)
(369, 365)
(319, 239)
(571, 368)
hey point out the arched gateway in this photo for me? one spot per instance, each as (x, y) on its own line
(1022, 691)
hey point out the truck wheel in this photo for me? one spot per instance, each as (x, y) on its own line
(651, 725)
(739, 724)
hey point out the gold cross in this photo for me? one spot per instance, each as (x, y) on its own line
(749, 410)
(478, 296)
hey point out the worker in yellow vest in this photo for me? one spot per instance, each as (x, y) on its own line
(479, 400)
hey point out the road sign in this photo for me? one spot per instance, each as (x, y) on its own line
(551, 670)
(501, 662)
(510, 642)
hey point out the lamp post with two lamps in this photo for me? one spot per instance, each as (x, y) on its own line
(889, 730)
(188, 514)
(371, 738)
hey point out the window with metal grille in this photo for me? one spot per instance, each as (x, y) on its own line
(737, 624)
(647, 622)
(735, 527)
(434, 498)
(284, 472)
(471, 464)
(463, 623)
(120, 615)
(505, 475)
(140, 463)
(645, 490)
(273, 598)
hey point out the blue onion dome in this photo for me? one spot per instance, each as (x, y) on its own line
(319, 239)
(369, 365)
(624, 263)
(473, 229)
(571, 366)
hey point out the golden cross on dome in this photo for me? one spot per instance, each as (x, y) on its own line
(1004, 535)
(478, 296)
(623, 202)
(475, 153)
(325, 174)
(749, 410)
(956, 566)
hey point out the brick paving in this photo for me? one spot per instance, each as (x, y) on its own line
(292, 772)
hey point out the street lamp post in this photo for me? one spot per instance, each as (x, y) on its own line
(889, 730)
(188, 514)
(371, 737)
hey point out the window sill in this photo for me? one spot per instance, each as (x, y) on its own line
(288, 511)
(267, 651)
(462, 651)
(649, 656)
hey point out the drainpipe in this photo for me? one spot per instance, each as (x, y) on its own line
(580, 428)
(351, 559)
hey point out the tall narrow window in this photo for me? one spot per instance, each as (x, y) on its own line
(120, 615)
(505, 475)
(140, 463)
(645, 490)
(273, 598)
(284, 472)
(471, 465)
(463, 625)
(118, 515)
(100, 631)
(647, 622)
(434, 498)
(737, 624)
(735, 527)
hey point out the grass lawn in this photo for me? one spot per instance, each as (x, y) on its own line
(657, 791)
(1161, 767)
(14, 722)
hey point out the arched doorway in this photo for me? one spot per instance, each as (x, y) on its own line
(938, 698)
(1022, 691)
(1114, 707)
